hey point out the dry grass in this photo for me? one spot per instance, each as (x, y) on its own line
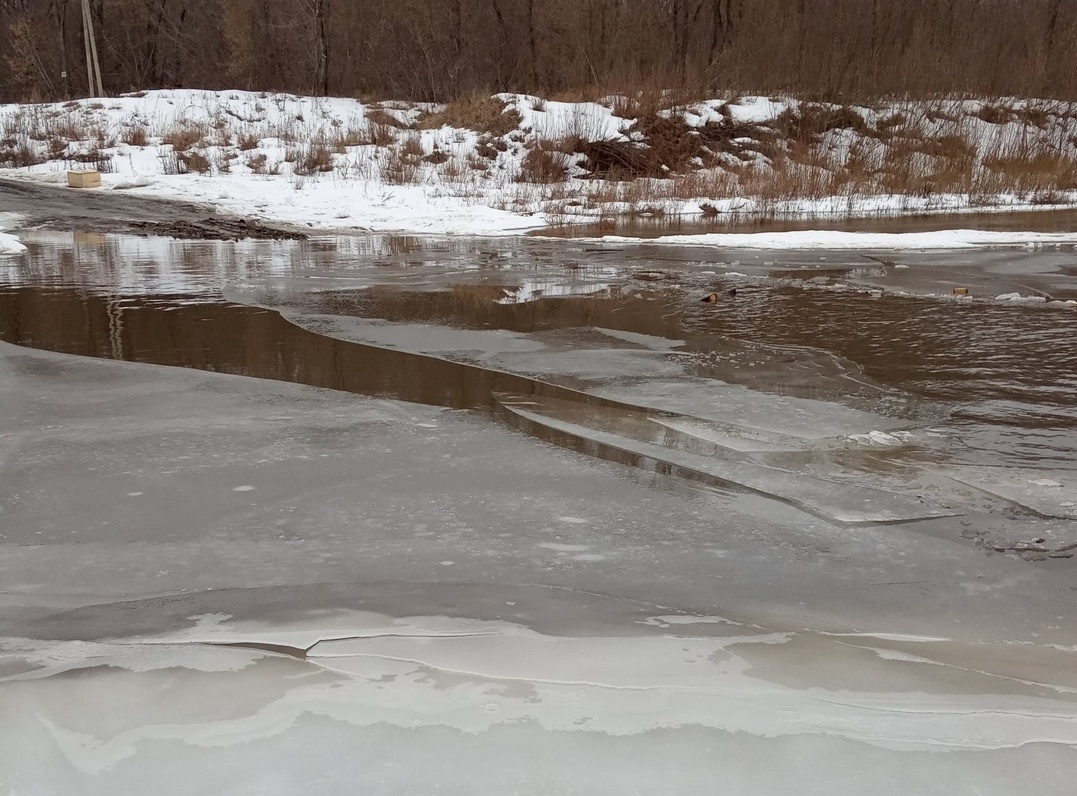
(651, 100)
(348, 137)
(542, 165)
(135, 136)
(315, 158)
(412, 146)
(488, 146)
(15, 153)
(400, 167)
(219, 135)
(70, 128)
(222, 161)
(1023, 169)
(806, 123)
(379, 135)
(479, 113)
(183, 137)
(194, 162)
(384, 118)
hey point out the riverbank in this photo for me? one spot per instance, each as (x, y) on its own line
(511, 163)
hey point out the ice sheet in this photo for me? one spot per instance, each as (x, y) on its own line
(835, 240)
(204, 572)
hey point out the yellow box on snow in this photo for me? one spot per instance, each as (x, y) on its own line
(84, 179)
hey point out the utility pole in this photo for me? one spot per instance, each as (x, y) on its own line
(93, 67)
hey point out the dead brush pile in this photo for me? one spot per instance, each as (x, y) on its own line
(664, 146)
(808, 121)
(816, 151)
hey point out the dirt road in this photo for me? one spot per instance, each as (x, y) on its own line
(57, 207)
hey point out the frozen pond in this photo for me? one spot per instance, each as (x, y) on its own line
(556, 525)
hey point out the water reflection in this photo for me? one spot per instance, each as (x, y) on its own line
(1008, 374)
(1062, 220)
(1024, 362)
(245, 341)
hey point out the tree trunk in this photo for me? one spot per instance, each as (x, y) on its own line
(532, 45)
(59, 14)
(321, 77)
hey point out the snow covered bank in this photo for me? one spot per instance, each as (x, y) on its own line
(509, 163)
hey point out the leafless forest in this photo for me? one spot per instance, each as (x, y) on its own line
(441, 49)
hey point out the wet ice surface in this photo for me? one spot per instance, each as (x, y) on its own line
(766, 560)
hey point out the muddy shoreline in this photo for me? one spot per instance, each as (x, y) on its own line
(53, 207)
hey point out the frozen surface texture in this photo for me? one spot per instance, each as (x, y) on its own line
(683, 554)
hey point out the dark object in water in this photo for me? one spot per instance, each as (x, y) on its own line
(712, 298)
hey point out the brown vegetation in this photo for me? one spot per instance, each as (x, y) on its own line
(135, 136)
(377, 135)
(315, 158)
(182, 137)
(194, 161)
(543, 165)
(401, 167)
(378, 116)
(412, 146)
(479, 113)
(18, 154)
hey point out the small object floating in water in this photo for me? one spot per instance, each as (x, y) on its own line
(961, 291)
(731, 292)
(710, 298)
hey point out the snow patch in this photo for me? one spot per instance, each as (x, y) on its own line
(9, 244)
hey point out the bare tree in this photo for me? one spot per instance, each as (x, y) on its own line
(438, 49)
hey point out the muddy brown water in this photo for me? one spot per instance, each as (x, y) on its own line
(223, 337)
(1009, 374)
(943, 351)
(1055, 220)
(249, 341)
